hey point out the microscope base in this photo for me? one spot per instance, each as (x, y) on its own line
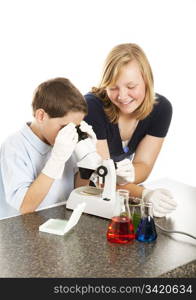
(95, 205)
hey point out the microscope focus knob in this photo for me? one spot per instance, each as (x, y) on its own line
(102, 171)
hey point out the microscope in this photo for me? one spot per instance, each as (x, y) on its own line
(100, 199)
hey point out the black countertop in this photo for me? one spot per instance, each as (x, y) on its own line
(85, 251)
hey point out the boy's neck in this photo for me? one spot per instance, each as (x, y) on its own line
(36, 131)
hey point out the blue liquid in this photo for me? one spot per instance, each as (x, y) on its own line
(146, 231)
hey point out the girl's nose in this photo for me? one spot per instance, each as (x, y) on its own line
(122, 94)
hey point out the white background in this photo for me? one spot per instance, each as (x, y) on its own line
(42, 39)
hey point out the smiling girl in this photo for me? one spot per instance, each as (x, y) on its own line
(129, 119)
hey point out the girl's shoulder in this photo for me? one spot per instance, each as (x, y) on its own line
(162, 103)
(92, 99)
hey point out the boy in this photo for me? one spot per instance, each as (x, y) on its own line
(37, 165)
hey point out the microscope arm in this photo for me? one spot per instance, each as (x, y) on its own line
(107, 170)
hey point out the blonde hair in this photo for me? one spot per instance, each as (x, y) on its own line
(118, 57)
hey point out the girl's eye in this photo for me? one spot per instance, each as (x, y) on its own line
(113, 89)
(131, 87)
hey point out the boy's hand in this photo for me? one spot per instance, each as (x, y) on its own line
(64, 145)
(85, 127)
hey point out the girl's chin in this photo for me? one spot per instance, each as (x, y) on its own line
(127, 110)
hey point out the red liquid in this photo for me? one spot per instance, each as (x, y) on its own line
(120, 230)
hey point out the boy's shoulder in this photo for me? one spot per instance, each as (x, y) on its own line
(17, 142)
(13, 142)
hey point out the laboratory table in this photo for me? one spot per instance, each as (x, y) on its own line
(85, 251)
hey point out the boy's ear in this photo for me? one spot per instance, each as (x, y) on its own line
(41, 115)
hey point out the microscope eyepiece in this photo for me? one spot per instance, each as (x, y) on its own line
(81, 135)
(87, 158)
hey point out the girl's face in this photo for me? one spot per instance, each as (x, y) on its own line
(128, 92)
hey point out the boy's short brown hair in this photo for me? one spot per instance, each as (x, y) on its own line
(58, 97)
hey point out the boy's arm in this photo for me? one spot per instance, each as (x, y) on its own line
(39, 189)
(24, 191)
(36, 193)
(64, 145)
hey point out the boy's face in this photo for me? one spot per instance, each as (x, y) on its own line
(49, 127)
